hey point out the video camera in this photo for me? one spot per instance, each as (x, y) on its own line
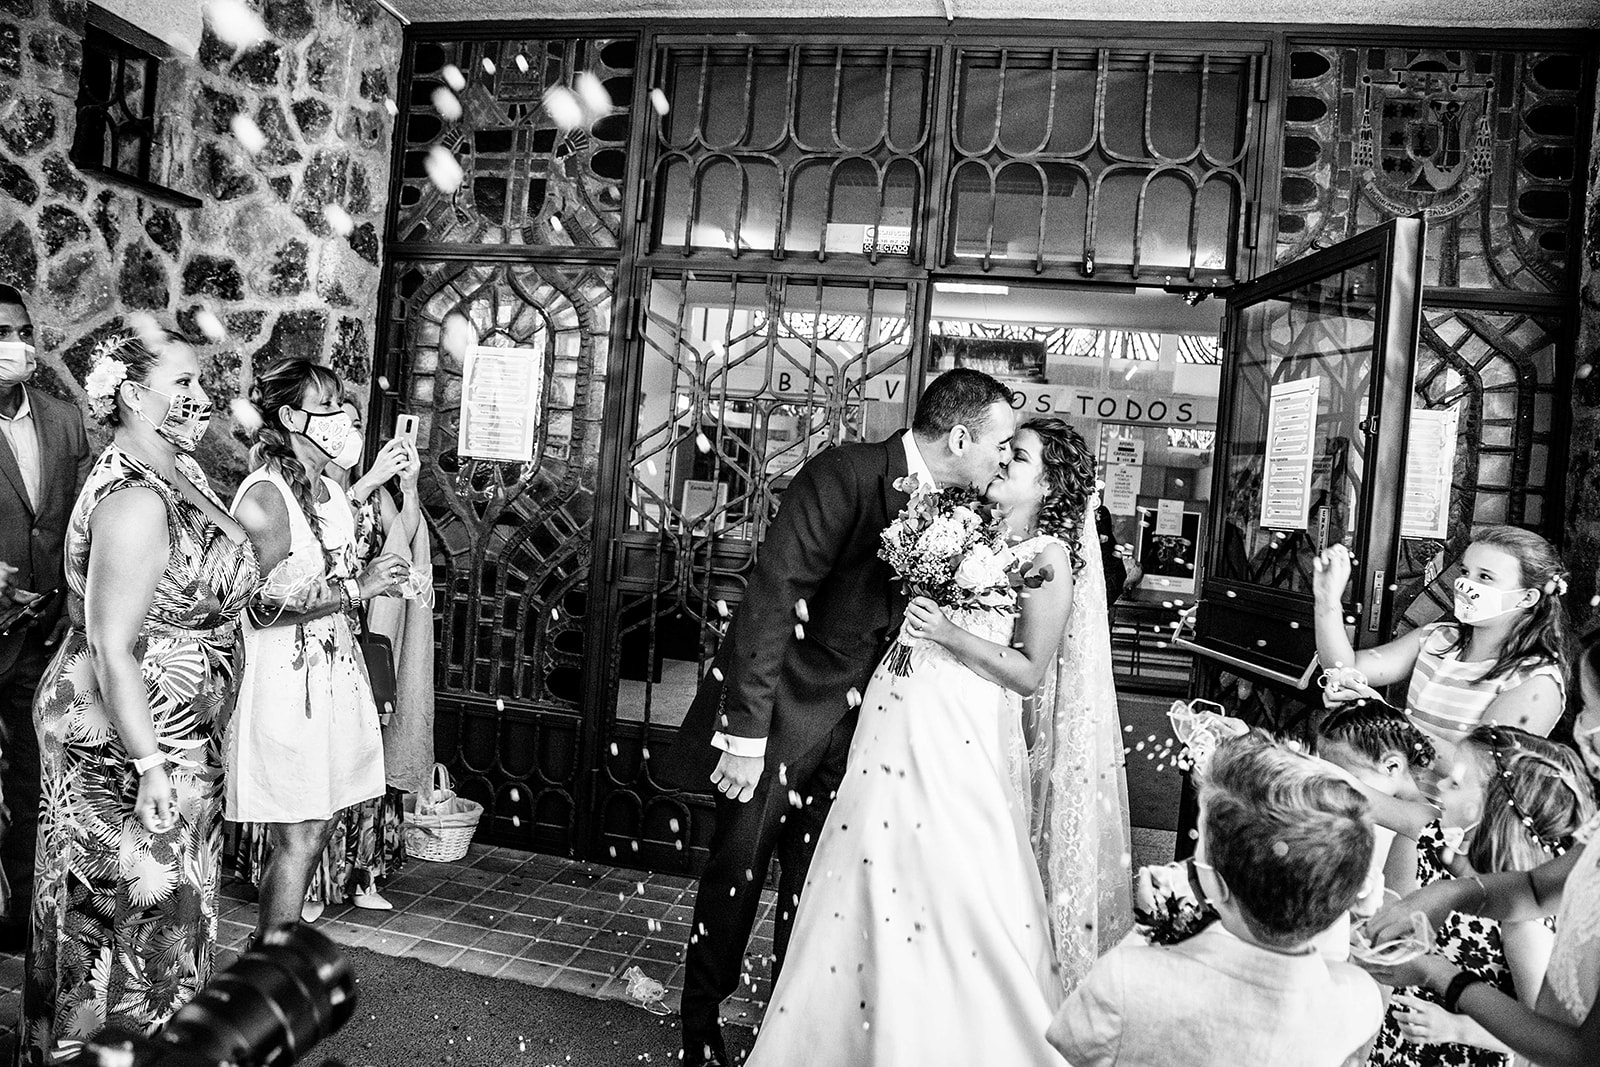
(281, 997)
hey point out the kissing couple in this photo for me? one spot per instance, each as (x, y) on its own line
(952, 836)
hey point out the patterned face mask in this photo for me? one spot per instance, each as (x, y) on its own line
(1476, 602)
(335, 435)
(185, 422)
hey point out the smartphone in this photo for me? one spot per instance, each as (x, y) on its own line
(406, 426)
(17, 615)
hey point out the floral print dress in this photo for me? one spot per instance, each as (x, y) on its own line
(125, 920)
(1470, 942)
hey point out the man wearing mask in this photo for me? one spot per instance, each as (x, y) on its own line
(44, 459)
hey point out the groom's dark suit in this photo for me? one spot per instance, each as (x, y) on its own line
(794, 691)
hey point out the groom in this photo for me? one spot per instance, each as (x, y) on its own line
(770, 726)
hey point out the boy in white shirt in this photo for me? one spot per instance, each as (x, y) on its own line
(1284, 850)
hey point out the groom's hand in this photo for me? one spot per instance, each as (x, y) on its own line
(736, 776)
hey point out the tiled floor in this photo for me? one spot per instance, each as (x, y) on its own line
(537, 919)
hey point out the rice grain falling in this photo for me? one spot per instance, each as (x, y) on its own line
(453, 77)
(488, 65)
(522, 63)
(234, 23)
(383, 382)
(702, 442)
(658, 100)
(245, 415)
(563, 107)
(390, 106)
(597, 103)
(247, 133)
(446, 104)
(443, 170)
(338, 220)
(455, 335)
(210, 325)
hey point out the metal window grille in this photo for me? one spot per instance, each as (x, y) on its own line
(116, 106)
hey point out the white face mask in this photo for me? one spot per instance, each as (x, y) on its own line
(1477, 603)
(16, 362)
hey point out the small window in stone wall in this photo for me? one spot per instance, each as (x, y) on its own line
(116, 106)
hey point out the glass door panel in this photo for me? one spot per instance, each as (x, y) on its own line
(1317, 369)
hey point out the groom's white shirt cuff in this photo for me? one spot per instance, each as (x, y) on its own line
(748, 747)
(756, 747)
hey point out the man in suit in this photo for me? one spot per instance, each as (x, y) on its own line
(770, 727)
(44, 459)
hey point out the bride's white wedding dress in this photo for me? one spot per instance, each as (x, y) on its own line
(923, 936)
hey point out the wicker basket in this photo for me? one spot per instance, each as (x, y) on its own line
(439, 825)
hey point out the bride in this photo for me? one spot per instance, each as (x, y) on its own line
(925, 933)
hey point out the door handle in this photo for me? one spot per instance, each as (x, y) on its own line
(1375, 603)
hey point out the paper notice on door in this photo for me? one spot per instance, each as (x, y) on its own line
(1127, 450)
(500, 390)
(1122, 488)
(1169, 518)
(1291, 437)
(1430, 469)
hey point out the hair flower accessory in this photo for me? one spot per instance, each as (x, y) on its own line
(1556, 586)
(101, 385)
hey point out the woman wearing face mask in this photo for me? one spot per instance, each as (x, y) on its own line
(1500, 659)
(366, 844)
(305, 743)
(128, 715)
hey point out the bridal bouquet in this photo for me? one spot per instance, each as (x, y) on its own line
(947, 546)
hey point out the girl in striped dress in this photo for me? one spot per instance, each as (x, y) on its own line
(1500, 658)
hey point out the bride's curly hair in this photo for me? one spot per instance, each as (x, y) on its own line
(1069, 474)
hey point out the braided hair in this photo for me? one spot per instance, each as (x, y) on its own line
(288, 383)
(1069, 480)
(1374, 730)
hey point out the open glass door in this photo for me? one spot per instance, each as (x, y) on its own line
(1312, 422)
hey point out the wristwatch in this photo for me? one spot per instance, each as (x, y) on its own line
(1458, 985)
(145, 763)
(352, 589)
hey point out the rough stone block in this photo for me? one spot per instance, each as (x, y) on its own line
(165, 230)
(280, 149)
(295, 335)
(107, 210)
(10, 50)
(365, 242)
(245, 325)
(79, 356)
(221, 173)
(60, 226)
(214, 54)
(327, 65)
(32, 125)
(260, 65)
(287, 274)
(79, 286)
(313, 117)
(351, 357)
(143, 281)
(62, 179)
(215, 276)
(375, 84)
(290, 19)
(19, 262)
(57, 51)
(214, 109)
(22, 9)
(16, 183)
(282, 185)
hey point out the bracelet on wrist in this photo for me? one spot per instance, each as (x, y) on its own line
(1458, 985)
(145, 764)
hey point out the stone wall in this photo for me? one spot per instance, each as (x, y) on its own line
(1583, 479)
(259, 253)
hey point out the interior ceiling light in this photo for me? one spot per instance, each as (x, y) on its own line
(984, 288)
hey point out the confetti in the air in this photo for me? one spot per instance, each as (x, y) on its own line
(247, 133)
(722, 608)
(658, 100)
(455, 335)
(338, 220)
(801, 611)
(443, 170)
(234, 23)
(383, 381)
(453, 77)
(799, 632)
(853, 698)
(597, 102)
(245, 415)
(563, 107)
(702, 442)
(210, 325)
(390, 106)
(522, 62)
(446, 104)
(488, 65)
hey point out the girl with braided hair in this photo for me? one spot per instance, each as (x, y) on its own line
(305, 743)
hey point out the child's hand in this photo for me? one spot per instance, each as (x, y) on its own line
(1422, 1022)
(1330, 574)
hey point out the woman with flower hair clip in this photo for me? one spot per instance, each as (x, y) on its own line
(129, 715)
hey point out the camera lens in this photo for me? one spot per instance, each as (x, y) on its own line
(279, 999)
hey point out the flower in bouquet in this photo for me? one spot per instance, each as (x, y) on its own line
(946, 545)
(1167, 905)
